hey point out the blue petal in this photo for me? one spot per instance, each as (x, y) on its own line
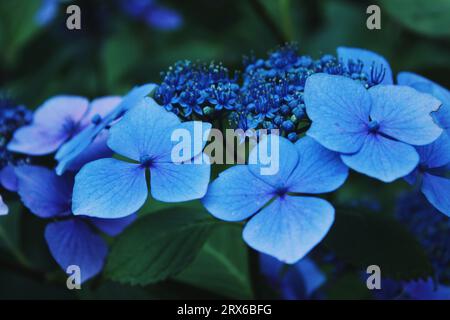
(313, 277)
(113, 227)
(368, 58)
(109, 188)
(283, 158)
(339, 109)
(50, 125)
(236, 194)
(101, 107)
(437, 191)
(3, 207)
(436, 154)
(145, 130)
(71, 149)
(318, 170)
(164, 18)
(175, 182)
(405, 114)
(43, 192)
(425, 85)
(72, 242)
(98, 149)
(8, 178)
(289, 227)
(383, 159)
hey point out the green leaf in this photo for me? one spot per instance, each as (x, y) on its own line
(158, 246)
(17, 25)
(427, 17)
(222, 265)
(364, 239)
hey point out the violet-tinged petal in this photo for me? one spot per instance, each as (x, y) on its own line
(8, 178)
(73, 243)
(109, 188)
(43, 192)
(3, 207)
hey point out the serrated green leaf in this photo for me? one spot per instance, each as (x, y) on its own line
(423, 16)
(364, 239)
(222, 265)
(158, 246)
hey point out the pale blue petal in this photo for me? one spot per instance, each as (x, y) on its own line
(436, 154)
(383, 159)
(3, 207)
(405, 114)
(425, 85)
(109, 188)
(101, 107)
(283, 158)
(236, 194)
(8, 178)
(175, 182)
(368, 58)
(318, 170)
(339, 109)
(43, 192)
(73, 243)
(145, 130)
(437, 191)
(289, 227)
(113, 227)
(37, 141)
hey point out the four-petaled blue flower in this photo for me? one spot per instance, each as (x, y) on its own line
(71, 240)
(285, 225)
(111, 188)
(375, 129)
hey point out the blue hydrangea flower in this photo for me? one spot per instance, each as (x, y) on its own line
(153, 14)
(111, 188)
(56, 121)
(72, 149)
(297, 282)
(442, 116)
(72, 240)
(273, 89)
(283, 224)
(432, 173)
(374, 129)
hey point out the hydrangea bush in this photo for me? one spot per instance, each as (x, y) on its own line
(119, 205)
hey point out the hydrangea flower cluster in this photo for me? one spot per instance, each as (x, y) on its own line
(335, 113)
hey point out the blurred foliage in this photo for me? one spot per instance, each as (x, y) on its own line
(113, 52)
